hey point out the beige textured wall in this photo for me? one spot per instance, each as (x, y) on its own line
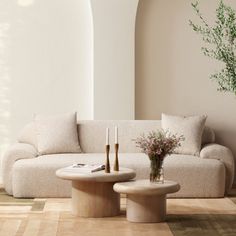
(172, 75)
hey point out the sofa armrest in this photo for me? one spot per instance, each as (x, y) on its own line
(223, 154)
(15, 152)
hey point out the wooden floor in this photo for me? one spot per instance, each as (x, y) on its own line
(56, 220)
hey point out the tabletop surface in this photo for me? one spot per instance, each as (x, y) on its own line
(145, 187)
(124, 174)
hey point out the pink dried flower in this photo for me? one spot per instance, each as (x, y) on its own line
(158, 144)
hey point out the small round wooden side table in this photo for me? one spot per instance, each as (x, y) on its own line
(146, 202)
(93, 194)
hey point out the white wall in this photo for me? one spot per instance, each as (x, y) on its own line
(45, 50)
(85, 88)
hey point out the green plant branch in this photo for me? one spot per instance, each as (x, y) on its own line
(221, 39)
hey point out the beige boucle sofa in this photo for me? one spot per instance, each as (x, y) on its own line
(25, 174)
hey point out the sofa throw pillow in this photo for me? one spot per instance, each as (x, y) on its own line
(190, 127)
(57, 134)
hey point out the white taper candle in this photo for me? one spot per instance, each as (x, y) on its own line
(116, 134)
(107, 136)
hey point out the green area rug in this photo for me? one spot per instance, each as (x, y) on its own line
(202, 225)
(6, 200)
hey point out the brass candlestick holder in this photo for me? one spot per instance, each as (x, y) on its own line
(107, 166)
(116, 164)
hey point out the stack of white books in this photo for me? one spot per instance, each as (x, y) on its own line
(85, 168)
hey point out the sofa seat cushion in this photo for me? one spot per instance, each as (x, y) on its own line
(36, 177)
(197, 177)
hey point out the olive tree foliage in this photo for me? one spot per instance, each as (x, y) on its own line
(220, 43)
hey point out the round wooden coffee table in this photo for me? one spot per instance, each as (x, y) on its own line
(93, 194)
(146, 202)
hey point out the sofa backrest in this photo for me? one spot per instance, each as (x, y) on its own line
(92, 134)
